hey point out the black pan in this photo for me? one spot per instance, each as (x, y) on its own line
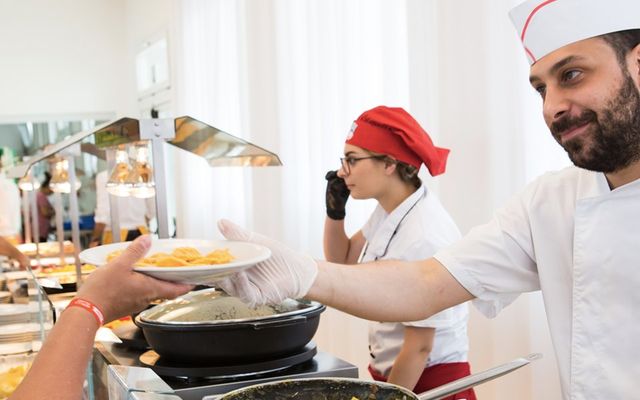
(204, 339)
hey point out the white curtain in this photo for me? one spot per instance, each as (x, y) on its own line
(335, 59)
(207, 58)
(291, 76)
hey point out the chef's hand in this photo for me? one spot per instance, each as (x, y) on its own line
(118, 290)
(286, 274)
(336, 195)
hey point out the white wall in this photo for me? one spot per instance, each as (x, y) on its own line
(145, 21)
(63, 57)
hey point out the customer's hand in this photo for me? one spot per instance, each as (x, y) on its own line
(336, 195)
(23, 261)
(286, 274)
(119, 291)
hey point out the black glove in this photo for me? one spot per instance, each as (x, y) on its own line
(336, 196)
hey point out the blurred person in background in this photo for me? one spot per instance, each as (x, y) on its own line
(10, 212)
(383, 153)
(134, 214)
(45, 209)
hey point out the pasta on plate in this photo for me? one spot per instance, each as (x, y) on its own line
(181, 257)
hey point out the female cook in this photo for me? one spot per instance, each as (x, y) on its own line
(382, 156)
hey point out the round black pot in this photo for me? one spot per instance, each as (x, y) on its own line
(233, 341)
(321, 388)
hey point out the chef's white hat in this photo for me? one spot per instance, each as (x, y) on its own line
(545, 26)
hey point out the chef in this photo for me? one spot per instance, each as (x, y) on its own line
(572, 234)
(134, 215)
(383, 153)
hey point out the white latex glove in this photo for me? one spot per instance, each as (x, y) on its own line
(286, 274)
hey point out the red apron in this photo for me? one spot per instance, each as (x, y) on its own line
(437, 375)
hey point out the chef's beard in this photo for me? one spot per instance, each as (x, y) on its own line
(615, 134)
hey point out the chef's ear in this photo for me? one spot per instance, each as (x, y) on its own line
(635, 54)
(390, 165)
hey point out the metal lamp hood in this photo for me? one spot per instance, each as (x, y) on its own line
(216, 146)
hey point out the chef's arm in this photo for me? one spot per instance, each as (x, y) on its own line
(413, 356)
(388, 290)
(96, 235)
(9, 250)
(338, 247)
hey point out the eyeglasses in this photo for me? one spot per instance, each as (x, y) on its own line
(348, 162)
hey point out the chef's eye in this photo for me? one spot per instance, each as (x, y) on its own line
(570, 75)
(541, 89)
(351, 161)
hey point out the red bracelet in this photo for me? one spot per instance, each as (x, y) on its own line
(89, 306)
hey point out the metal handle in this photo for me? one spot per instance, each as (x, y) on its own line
(477, 378)
(297, 319)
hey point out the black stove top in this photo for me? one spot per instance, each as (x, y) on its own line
(194, 382)
(190, 372)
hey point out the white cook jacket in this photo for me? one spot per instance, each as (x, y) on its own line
(10, 215)
(426, 228)
(577, 241)
(131, 210)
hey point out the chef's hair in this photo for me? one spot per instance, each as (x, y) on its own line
(47, 180)
(622, 42)
(407, 173)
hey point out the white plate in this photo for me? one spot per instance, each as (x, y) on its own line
(13, 348)
(31, 307)
(245, 255)
(18, 329)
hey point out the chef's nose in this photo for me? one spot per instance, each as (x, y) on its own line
(556, 105)
(341, 172)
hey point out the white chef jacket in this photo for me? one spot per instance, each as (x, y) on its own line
(10, 216)
(131, 210)
(426, 228)
(572, 237)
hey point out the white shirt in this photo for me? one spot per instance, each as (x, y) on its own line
(573, 238)
(131, 210)
(10, 216)
(426, 228)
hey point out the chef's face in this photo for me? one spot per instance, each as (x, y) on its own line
(591, 103)
(364, 173)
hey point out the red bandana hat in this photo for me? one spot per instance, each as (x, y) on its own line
(392, 131)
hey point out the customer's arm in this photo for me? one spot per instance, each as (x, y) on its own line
(59, 369)
(9, 250)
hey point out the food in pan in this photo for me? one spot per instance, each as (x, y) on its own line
(67, 268)
(9, 380)
(181, 257)
(46, 249)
